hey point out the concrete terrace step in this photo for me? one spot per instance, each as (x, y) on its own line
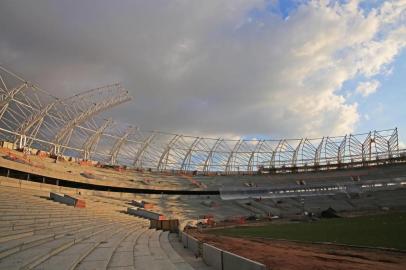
(45, 210)
(173, 256)
(186, 254)
(123, 257)
(13, 219)
(100, 256)
(43, 221)
(147, 254)
(13, 235)
(28, 213)
(32, 257)
(14, 246)
(153, 251)
(35, 211)
(80, 254)
(16, 234)
(33, 207)
(37, 225)
(11, 202)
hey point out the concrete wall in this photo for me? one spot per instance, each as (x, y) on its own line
(217, 258)
(193, 245)
(234, 262)
(179, 235)
(212, 256)
(184, 240)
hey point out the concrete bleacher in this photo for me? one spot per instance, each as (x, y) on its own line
(190, 207)
(74, 171)
(38, 233)
(333, 176)
(341, 202)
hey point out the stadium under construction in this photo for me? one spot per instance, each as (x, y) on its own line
(131, 181)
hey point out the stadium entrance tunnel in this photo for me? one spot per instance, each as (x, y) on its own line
(20, 175)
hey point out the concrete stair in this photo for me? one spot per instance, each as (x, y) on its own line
(36, 233)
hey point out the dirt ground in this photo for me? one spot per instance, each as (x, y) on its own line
(297, 256)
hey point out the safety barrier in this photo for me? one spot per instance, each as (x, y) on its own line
(231, 261)
(217, 258)
(194, 245)
(183, 239)
(212, 256)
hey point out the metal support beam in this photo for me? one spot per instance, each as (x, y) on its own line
(138, 156)
(210, 155)
(63, 136)
(34, 119)
(33, 123)
(5, 100)
(29, 114)
(186, 160)
(276, 150)
(296, 152)
(393, 143)
(366, 147)
(117, 146)
(165, 153)
(341, 150)
(230, 156)
(355, 148)
(250, 166)
(317, 154)
(94, 139)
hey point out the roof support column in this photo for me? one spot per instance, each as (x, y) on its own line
(317, 154)
(277, 149)
(393, 143)
(210, 155)
(61, 139)
(138, 156)
(186, 160)
(94, 139)
(230, 157)
(296, 153)
(165, 153)
(117, 146)
(250, 166)
(5, 102)
(341, 150)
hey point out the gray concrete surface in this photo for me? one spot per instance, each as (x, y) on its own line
(234, 262)
(212, 256)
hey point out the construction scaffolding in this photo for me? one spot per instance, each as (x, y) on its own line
(30, 117)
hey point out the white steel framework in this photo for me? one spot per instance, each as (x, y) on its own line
(31, 117)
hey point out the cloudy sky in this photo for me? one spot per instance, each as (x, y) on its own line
(228, 68)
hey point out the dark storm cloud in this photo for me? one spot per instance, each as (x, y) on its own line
(192, 67)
